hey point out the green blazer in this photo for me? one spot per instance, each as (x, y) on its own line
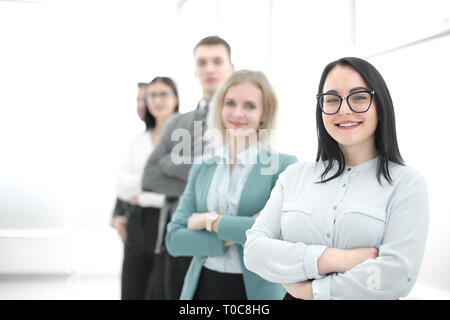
(181, 241)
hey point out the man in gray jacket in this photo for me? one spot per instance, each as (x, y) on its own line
(166, 172)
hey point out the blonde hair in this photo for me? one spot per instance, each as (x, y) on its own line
(270, 104)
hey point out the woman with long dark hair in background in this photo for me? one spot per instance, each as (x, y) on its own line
(142, 219)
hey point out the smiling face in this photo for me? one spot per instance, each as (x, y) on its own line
(243, 109)
(350, 129)
(161, 100)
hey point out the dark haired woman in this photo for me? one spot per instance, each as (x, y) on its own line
(352, 225)
(142, 221)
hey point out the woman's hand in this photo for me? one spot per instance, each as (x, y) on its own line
(197, 221)
(354, 257)
(120, 223)
(300, 290)
(227, 244)
(337, 260)
(133, 201)
(332, 260)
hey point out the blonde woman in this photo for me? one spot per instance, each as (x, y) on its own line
(225, 191)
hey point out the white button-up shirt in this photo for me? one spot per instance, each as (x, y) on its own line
(129, 177)
(302, 218)
(223, 197)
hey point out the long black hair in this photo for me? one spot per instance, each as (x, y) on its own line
(150, 121)
(385, 134)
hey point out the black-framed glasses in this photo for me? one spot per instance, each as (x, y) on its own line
(359, 101)
(163, 95)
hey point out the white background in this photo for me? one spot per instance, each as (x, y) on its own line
(68, 84)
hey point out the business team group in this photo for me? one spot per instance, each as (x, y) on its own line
(225, 216)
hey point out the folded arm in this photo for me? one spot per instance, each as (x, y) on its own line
(273, 259)
(393, 273)
(181, 241)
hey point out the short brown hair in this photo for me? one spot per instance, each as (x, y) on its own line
(212, 41)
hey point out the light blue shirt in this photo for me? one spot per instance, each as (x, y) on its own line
(223, 198)
(303, 218)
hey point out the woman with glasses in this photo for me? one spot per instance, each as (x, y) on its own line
(226, 190)
(141, 220)
(352, 225)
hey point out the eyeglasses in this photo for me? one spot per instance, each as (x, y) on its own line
(359, 101)
(163, 95)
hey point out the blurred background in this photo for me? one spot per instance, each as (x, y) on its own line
(68, 84)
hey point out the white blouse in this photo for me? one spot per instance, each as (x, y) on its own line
(303, 218)
(130, 174)
(223, 197)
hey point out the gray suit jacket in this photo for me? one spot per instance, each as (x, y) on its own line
(163, 172)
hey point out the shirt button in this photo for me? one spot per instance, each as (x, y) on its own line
(349, 169)
(328, 235)
(343, 186)
(335, 207)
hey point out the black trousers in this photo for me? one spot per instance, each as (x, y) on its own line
(289, 297)
(214, 285)
(146, 275)
(139, 257)
(176, 268)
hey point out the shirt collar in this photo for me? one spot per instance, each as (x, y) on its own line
(364, 165)
(202, 103)
(348, 169)
(245, 157)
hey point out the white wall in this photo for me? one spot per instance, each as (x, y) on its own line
(417, 79)
(68, 87)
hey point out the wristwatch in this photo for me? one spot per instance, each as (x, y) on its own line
(210, 219)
